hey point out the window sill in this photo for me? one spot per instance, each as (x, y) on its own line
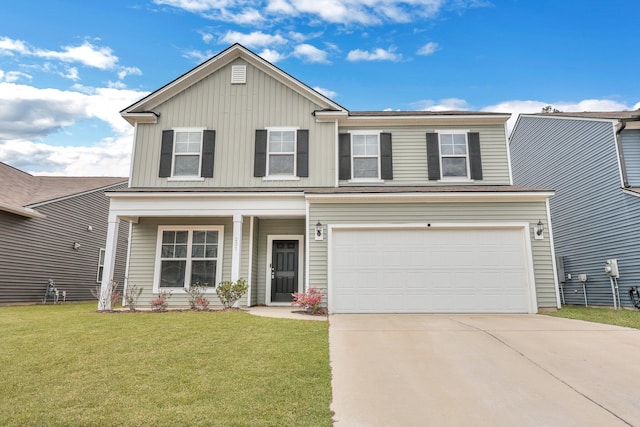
(456, 180)
(281, 178)
(185, 178)
(365, 181)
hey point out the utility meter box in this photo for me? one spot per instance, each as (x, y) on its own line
(611, 268)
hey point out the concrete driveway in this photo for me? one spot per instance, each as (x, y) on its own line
(482, 370)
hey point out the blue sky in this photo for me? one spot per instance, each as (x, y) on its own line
(68, 67)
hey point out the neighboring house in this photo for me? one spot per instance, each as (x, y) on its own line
(241, 171)
(592, 161)
(54, 227)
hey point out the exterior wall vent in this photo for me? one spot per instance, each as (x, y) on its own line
(238, 74)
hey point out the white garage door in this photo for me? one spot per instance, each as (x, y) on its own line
(429, 271)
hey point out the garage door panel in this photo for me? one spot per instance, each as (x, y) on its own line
(479, 270)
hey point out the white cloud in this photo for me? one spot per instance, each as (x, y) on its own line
(376, 55)
(87, 54)
(254, 39)
(428, 49)
(516, 107)
(271, 55)
(72, 74)
(310, 53)
(326, 92)
(198, 56)
(129, 71)
(13, 76)
(206, 37)
(447, 104)
(9, 46)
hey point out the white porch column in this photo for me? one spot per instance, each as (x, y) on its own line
(237, 245)
(104, 303)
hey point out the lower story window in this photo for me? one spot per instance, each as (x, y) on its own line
(189, 255)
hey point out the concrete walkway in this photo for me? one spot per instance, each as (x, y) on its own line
(283, 312)
(482, 370)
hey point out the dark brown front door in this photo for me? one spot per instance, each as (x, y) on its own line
(284, 270)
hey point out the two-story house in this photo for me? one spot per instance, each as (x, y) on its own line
(592, 161)
(241, 171)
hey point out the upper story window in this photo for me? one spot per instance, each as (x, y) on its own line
(454, 155)
(281, 153)
(365, 156)
(187, 153)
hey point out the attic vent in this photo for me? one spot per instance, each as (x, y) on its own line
(238, 74)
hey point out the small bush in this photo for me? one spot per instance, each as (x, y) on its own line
(112, 291)
(197, 299)
(161, 302)
(131, 296)
(310, 300)
(230, 292)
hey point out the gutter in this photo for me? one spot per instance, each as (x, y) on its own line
(619, 127)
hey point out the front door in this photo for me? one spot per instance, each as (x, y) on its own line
(284, 270)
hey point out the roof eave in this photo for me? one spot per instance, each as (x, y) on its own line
(22, 211)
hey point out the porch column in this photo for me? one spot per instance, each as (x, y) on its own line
(237, 244)
(104, 303)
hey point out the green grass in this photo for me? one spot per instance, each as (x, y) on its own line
(609, 316)
(67, 365)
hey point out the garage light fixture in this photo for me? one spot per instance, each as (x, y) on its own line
(319, 231)
(539, 230)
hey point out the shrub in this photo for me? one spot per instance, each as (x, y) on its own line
(131, 296)
(197, 300)
(230, 292)
(112, 292)
(161, 302)
(309, 300)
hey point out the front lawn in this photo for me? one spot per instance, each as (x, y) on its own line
(628, 318)
(67, 365)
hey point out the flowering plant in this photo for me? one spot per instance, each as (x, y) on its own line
(309, 300)
(161, 302)
(197, 300)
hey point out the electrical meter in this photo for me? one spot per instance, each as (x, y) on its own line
(611, 268)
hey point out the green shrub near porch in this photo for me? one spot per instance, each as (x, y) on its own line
(68, 365)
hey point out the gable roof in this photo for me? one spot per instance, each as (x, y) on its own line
(141, 111)
(609, 115)
(22, 191)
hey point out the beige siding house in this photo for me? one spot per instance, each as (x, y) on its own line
(241, 171)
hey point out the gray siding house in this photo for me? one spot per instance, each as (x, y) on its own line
(54, 228)
(592, 161)
(241, 171)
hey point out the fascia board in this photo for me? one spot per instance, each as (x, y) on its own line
(430, 197)
(25, 212)
(443, 120)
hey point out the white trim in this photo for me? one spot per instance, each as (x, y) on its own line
(111, 247)
(125, 285)
(306, 246)
(284, 177)
(336, 156)
(466, 156)
(250, 261)
(553, 256)
(430, 197)
(508, 144)
(22, 211)
(184, 178)
(190, 229)
(301, 245)
(523, 226)
(236, 247)
(133, 153)
(366, 180)
(631, 193)
(174, 153)
(362, 132)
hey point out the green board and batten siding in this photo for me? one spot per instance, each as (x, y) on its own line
(410, 153)
(425, 212)
(235, 112)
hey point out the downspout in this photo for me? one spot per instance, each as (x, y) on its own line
(619, 127)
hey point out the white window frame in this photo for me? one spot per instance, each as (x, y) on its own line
(190, 229)
(101, 255)
(294, 174)
(175, 154)
(365, 156)
(441, 132)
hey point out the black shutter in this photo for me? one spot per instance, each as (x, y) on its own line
(166, 154)
(208, 150)
(433, 156)
(386, 157)
(475, 160)
(302, 153)
(260, 157)
(344, 156)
